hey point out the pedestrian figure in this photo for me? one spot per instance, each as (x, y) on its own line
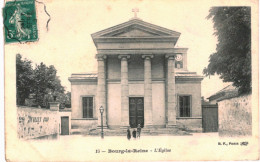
(134, 133)
(128, 134)
(138, 131)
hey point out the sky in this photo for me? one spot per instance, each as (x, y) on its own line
(67, 44)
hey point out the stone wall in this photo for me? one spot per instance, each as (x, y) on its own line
(235, 116)
(36, 122)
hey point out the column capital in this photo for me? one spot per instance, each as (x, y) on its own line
(170, 56)
(124, 56)
(147, 56)
(100, 57)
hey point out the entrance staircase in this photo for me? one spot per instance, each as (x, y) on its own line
(174, 131)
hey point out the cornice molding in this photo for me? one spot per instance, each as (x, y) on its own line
(82, 79)
(147, 56)
(124, 56)
(100, 57)
(143, 51)
(135, 39)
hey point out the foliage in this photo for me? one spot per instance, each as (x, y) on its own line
(41, 81)
(63, 98)
(24, 79)
(46, 80)
(232, 60)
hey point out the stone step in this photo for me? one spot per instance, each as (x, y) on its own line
(123, 132)
(145, 131)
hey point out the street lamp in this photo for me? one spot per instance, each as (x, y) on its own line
(101, 109)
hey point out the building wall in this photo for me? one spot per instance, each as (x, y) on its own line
(114, 104)
(113, 68)
(37, 123)
(235, 116)
(135, 68)
(158, 67)
(84, 124)
(193, 89)
(158, 97)
(194, 124)
(79, 90)
(136, 89)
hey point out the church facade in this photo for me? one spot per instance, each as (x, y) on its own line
(142, 78)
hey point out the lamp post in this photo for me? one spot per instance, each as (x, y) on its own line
(101, 109)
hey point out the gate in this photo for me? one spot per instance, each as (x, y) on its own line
(64, 125)
(210, 118)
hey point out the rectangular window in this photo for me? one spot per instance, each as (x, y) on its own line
(87, 104)
(185, 106)
(179, 64)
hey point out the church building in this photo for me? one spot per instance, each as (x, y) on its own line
(142, 78)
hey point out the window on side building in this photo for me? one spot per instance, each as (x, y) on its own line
(87, 105)
(185, 106)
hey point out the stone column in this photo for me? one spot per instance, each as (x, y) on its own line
(171, 100)
(101, 90)
(124, 91)
(148, 107)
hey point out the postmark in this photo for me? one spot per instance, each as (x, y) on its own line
(20, 21)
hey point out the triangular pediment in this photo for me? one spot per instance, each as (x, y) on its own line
(134, 33)
(135, 28)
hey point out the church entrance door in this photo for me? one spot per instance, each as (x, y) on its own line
(136, 111)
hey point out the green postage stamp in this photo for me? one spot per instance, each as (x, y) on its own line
(20, 21)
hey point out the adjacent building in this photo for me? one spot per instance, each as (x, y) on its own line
(228, 92)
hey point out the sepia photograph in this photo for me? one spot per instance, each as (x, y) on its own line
(131, 80)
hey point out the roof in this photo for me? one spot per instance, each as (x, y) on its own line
(114, 30)
(229, 91)
(135, 30)
(83, 77)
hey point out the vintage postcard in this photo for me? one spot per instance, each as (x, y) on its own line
(140, 80)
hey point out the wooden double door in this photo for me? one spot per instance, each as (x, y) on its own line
(136, 111)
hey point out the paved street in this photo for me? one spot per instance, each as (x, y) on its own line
(143, 137)
(118, 148)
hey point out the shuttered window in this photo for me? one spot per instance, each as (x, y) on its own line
(87, 104)
(185, 106)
